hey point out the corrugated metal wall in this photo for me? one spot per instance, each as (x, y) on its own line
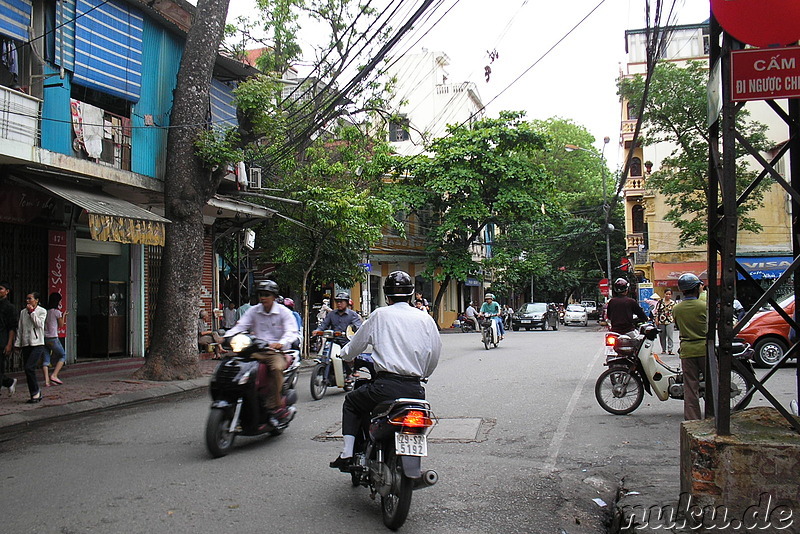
(56, 115)
(162, 53)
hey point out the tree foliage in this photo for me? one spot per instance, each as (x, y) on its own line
(478, 176)
(676, 113)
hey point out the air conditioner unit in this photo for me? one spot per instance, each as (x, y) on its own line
(254, 179)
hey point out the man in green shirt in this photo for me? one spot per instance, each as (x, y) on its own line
(491, 309)
(691, 316)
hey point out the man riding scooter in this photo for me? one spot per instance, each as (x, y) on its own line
(490, 308)
(338, 320)
(622, 311)
(276, 325)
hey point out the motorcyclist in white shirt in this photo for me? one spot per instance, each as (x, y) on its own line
(405, 348)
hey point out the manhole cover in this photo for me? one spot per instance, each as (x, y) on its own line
(447, 430)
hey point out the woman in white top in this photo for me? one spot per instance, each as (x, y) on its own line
(30, 337)
(54, 322)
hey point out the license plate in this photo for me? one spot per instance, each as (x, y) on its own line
(610, 351)
(525, 322)
(411, 444)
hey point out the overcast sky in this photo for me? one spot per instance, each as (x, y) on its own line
(575, 80)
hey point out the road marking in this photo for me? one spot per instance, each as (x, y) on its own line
(561, 431)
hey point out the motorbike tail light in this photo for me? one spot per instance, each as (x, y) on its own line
(611, 340)
(412, 419)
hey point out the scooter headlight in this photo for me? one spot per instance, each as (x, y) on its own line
(244, 379)
(239, 342)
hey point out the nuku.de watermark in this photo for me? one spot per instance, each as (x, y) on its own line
(687, 515)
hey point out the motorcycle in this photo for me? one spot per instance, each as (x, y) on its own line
(330, 370)
(634, 368)
(466, 324)
(490, 334)
(239, 388)
(388, 455)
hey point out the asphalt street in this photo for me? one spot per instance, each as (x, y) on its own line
(522, 447)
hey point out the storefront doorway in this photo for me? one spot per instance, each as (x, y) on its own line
(103, 271)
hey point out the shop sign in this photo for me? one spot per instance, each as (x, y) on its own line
(125, 230)
(765, 74)
(472, 282)
(18, 205)
(57, 270)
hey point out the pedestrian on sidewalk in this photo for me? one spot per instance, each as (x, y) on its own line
(8, 332)
(30, 338)
(662, 315)
(691, 316)
(53, 323)
(229, 315)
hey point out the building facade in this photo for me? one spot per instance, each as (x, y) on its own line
(652, 242)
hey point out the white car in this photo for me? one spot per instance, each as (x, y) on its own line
(576, 314)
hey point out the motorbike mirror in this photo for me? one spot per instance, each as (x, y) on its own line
(239, 342)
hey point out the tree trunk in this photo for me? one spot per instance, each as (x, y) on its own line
(438, 300)
(306, 349)
(188, 185)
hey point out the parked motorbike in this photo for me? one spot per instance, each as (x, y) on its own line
(388, 455)
(330, 370)
(490, 334)
(239, 387)
(633, 368)
(466, 324)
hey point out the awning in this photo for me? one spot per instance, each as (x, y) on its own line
(111, 218)
(667, 274)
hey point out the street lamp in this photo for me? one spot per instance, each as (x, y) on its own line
(607, 228)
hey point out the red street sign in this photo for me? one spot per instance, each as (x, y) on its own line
(603, 287)
(759, 22)
(765, 74)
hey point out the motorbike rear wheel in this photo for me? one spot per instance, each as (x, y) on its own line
(219, 439)
(739, 386)
(396, 504)
(618, 391)
(319, 384)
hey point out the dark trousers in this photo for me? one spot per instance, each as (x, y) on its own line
(4, 380)
(31, 357)
(360, 402)
(692, 367)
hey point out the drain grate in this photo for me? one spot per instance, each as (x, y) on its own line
(447, 430)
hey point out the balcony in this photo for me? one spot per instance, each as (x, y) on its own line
(634, 186)
(636, 242)
(20, 117)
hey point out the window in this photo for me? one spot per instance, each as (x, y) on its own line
(398, 130)
(636, 167)
(637, 219)
(633, 111)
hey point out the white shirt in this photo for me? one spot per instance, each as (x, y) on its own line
(276, 326)
(470, 311)
(404, 341)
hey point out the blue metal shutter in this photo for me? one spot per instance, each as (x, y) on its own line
(108, 48)
(65, 34)
(15, 17)
(223, 109)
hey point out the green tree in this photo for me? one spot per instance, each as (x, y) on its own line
(478, 175)
(676, 113)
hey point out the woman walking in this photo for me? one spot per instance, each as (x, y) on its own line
(55, 321)
(662, 314)
(30, 337)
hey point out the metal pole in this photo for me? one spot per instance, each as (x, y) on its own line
(606, 210)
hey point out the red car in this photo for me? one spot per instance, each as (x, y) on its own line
(768, 333)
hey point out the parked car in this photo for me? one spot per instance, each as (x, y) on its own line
(576, 314)
(535, 315)
(591, 309)
(768, 333)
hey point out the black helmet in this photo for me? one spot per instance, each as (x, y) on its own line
(688, 281)
(621, 285)
(341, 295)
(268, 286)
(398, 284)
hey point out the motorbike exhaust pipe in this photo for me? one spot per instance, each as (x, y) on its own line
(428, 478)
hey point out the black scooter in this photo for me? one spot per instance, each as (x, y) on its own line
(239, 388)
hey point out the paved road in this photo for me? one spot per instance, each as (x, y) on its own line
(540, 451)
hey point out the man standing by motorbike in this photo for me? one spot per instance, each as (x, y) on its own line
(471, 315)
(691, 316)
(622, 311)
(276, 325)
(405, 348)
